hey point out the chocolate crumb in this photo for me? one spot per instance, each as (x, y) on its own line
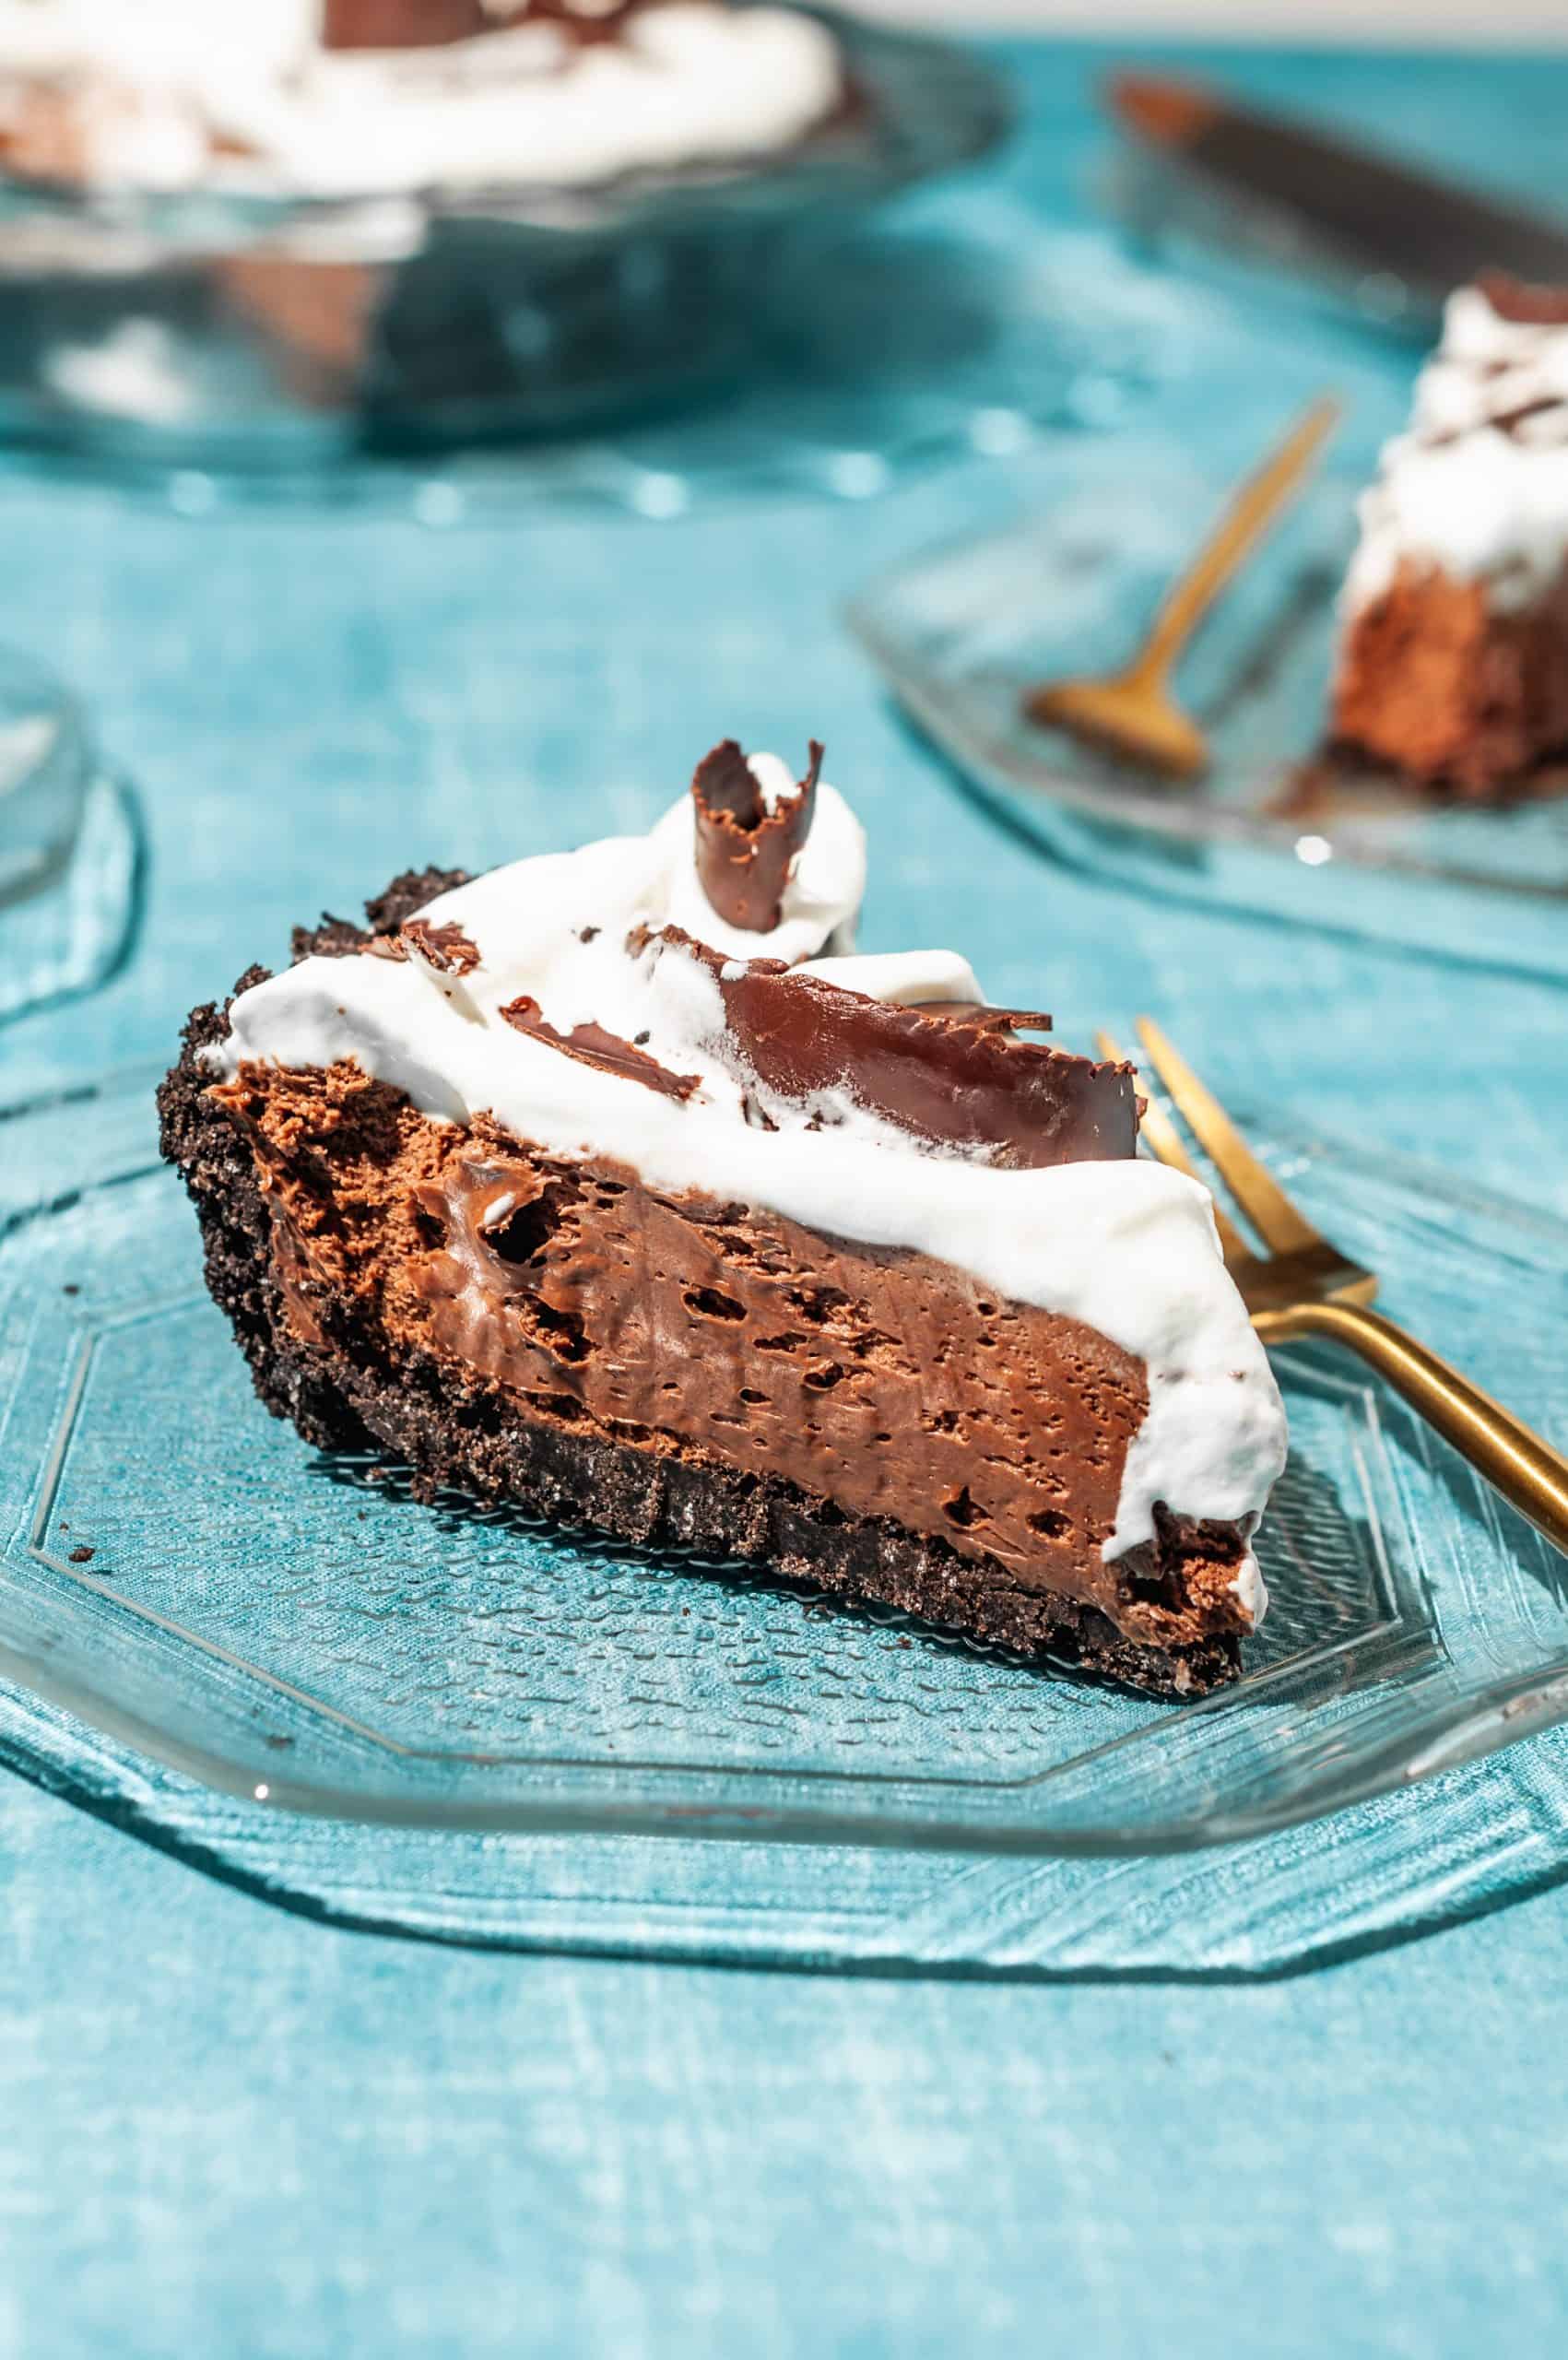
(83, 1557)
(70, 1288)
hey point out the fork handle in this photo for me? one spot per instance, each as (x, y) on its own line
(1531, 1476)
(1248, 517)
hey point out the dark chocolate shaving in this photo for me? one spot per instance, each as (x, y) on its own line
(942, 1077)
(744, 850)
(445, 947)
(592, 1046)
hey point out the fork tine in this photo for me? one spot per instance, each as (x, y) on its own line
(1157, 1127)
(1259, 1195)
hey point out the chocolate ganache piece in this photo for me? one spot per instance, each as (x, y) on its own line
(1014, 1103)
(433, 24)
(1516, 301)
(592, 1046)
(401, 24)
(744, 850)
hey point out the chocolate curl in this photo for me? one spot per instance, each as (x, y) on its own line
(592, 1046)
(744, 850)
(944, 1077)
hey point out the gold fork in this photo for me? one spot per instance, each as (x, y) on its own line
(1133, 711)
(1300, 1284)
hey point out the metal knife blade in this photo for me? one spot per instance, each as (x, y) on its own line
(1401, 238)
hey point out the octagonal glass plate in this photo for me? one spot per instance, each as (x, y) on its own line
(181, 1573)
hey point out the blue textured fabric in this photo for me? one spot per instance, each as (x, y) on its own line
(229, 2129)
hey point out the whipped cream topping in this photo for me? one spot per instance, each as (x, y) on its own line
(1127, 1247)
(1477, 487)
(685, 82)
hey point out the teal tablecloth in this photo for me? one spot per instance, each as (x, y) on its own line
(230, 2130)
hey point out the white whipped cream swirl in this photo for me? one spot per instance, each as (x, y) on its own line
(1477, 487)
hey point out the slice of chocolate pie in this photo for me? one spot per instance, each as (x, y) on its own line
(614, 1185)
(1452, 666)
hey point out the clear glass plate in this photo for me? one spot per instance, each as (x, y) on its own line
(70, 847)
(182, 1574)
(75, 930)
(961, 632)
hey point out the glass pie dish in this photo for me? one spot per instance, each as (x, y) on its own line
(242, 330)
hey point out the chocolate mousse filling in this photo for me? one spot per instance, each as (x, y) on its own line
(677, 1371)
(1439, 685)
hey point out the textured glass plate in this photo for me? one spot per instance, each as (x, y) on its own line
(294, 1628)
(961, 632)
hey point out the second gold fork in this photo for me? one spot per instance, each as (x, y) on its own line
(1298, 1284)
